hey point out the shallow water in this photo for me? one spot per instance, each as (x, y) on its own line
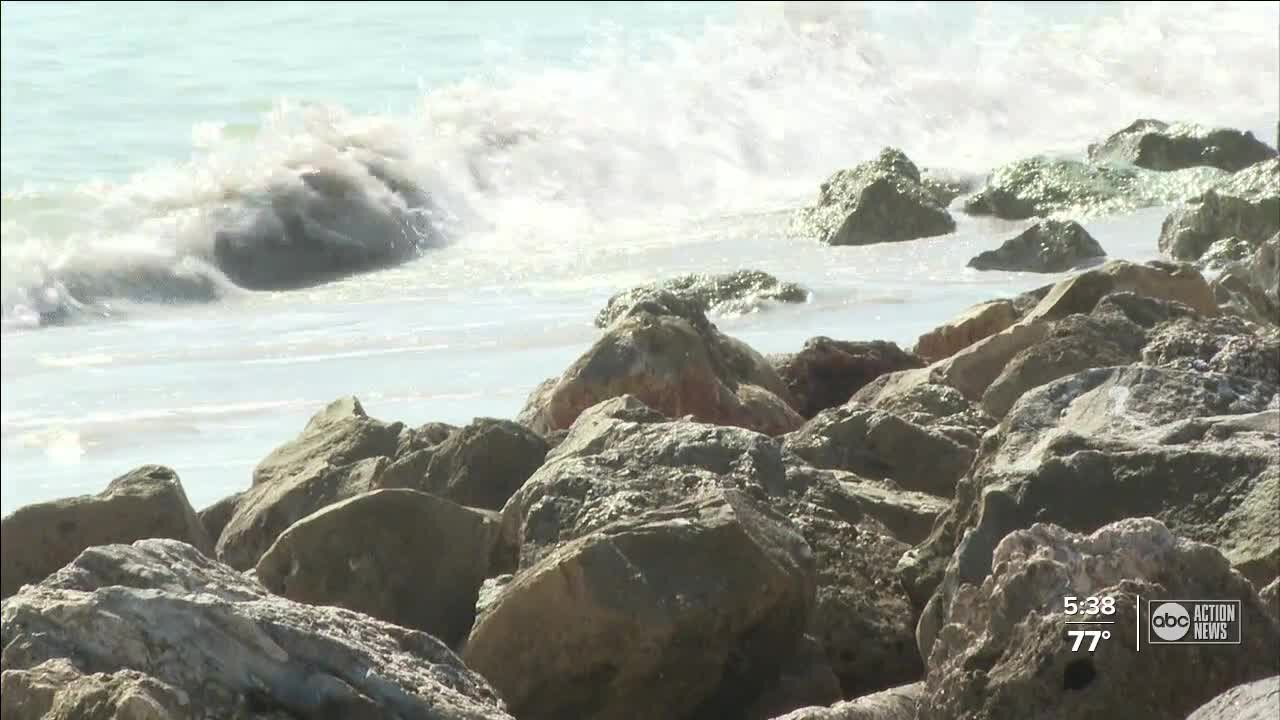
(578, 149)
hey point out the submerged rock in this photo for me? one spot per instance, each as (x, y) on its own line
(1049, 246)
(878, 201)
(1245, 206)
(732, 293)
(826, 373)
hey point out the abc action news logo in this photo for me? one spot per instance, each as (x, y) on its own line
(1194, 622)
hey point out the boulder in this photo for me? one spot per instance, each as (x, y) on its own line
(928, 404)
(880, 445)
(132, 648)
(1222, 345)
(806, 679)
(945, 186)
(1156, 280)
(1270, 597)
(1163, 146)
(877, 201)
(976, 323)
(340, 434)
(1239, 297)
(1041, 186)
(905, 515)
(1001, 651)
(665, 352)
(1226, 252)
(423, 437)
(1049, 246)
(216, 516)
(147, 502)
(734, 293)
(897, 703)
(1257, 700)
(1245, 206)
(826, 373)
(403, 556)
(268, 509)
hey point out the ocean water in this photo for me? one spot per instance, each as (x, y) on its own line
(572, 149)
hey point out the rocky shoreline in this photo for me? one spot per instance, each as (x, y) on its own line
(678, 526)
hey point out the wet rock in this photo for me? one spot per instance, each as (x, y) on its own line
(826, 372)
(1163, 146)
(734, 293)
(976, 323)
(341, 434)
(1245, 206)
(1049, 246)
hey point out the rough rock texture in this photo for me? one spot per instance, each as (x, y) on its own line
(897, 703)
(1258, 700)
(905, 515)
(1040, 186)
(423, 437)
(480, 465)
(877, 201)
(734, 293)
(341, 434)
(666, 353)
(878, 444)
(1049, 246)
(1245, 206)
(1225, 252)
(978, 322)
(216, 516)
(929, 404)
(1163, 146)
(806, 679)
(826, 372)
(1001, 650)
(1237, 295)
(1270, 597)
(220, 642)
(147, 502)
(1193, 449)
(268, 509)
(1156, 280)
(402, 556)
(1224, 345)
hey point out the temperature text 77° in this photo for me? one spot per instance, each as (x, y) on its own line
(1093, 635)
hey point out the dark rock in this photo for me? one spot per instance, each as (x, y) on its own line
(1157, 145)
(806, 679)
(1245, 206)
(147, 502)
(734, 293)
(1049, 246)
(215, 517)
(482, 464)
(340, 434)
(1270, 597)
(423, 437)
(826, 372)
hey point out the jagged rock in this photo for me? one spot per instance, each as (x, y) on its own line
(268, 509)
(216, 516)
(826, 372)
(666, 353)
(878, 444)
(1270, 597)
(1163, 146)
(1238, 294)
(806, 679)
(877, 201)
(906, 515)
(1225, 252)
(1001, 650)
(897, 703)
(1049, 246)
(1224, 345)
(147, 502)
(1156, 280)
(1258, 700)
(1245, 206)
(1040, 186)
(402, 556)
(734, 293)
(978, 322)
(341, 434)
(929, 404)
(235, 652)
(423, 437)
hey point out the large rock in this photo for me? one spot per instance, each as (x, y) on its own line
(403, 556)
(174, 625)
(1257, 700)
(341, 434)
(826, 373)
(1270, 597)
(805, 679)
(878, 444)
(665, 352)
(897, 703)
(216, 516)
(1041, 186)
(877, 201)
(734, 293)
(267, 510)
(974, 324)
(1049, 246)
(1238, 296)
(929, 404)
(1223, 345)
(1156, 280)
(1001, 651)
(147, 502)
(1245, 206)
(1158, 145)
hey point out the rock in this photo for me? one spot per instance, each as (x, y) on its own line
(423, 437)
(1245, 205)
(1225, 252)
(1237, 295)
(734, 293)
(215, 517)
(1270, 597)
(806, 679)
(482, 464)
(897, 703)
(928, 404)
(874, 202)
(1264, 268)
(665, 352)
(1001, 650)
(268, 509)
(403, 556)
(1049, 246)
(944, 186)
(1257, 700)
(906, 515)
(1157, 145)
(826, 372)
(238, 653)
(1221, 345)
(1161, 281)
(341, 434)
(1195, 450)
(681, 612)
(976, 323)
(147, 502)
(1041, 186)
(877, 444)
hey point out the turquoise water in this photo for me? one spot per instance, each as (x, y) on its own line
(574, 148)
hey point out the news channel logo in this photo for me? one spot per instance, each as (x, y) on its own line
(1194, 622)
